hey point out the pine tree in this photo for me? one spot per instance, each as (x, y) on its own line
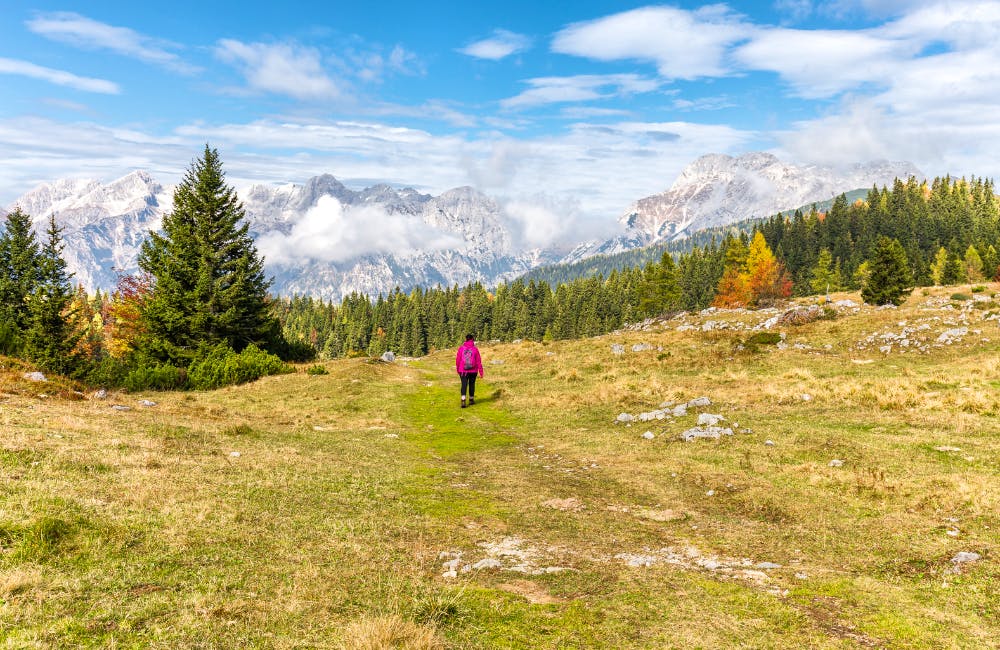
(208, 279)
(825, 278)
(973, 264)
(937, 267)
(20, 261)
(890, 278)
(53, 330)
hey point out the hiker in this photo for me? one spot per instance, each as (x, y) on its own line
(468, 364)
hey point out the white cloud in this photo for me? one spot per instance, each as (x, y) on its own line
(280, 68)
(683, 44)
(80, 31)
(551, 90)
(58, 77)
(502, 44)
(825, 62)
(329, 233)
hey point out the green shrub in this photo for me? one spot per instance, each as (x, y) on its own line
(10, 341)
(961, 297)
(237, 430)
(316, 369)
(156, 377)
(106, 373)
(221, 366)
(764, 338)
(978, 289)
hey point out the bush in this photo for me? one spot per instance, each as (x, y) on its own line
(10, 341)
(316, 369)
(221, 366)
(978, 289)
(157, 377)
(106, 373)
(764, 338)
(961, 296)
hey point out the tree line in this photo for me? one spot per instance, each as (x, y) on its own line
(200, 301)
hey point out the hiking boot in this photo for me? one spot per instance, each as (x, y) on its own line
(472, 400)
(463, 403)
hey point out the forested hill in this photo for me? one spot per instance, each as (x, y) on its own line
(603, 265)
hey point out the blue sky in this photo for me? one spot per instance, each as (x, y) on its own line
(575, 108)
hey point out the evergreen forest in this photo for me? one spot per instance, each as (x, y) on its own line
(198, 314)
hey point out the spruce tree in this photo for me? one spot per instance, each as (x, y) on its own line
(53, 330)
(209, 284)
(890, 279)
(20, 261)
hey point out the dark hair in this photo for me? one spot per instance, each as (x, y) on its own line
(469, 337)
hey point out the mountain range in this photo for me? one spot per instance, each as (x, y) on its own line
(323, 239)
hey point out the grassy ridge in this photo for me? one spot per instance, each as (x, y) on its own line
(318, 511)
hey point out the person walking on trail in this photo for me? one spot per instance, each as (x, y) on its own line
(468, 364)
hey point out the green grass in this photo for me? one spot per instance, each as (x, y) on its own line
(313, 510)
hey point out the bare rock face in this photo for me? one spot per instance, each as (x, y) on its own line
(105, 225)
(717, 189)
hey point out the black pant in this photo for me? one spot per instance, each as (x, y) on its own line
(468, 382)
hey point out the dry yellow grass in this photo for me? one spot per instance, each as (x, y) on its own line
(287, 512)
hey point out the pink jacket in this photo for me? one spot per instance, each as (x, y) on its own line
(476, 359)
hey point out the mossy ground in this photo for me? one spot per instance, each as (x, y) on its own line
(143, 528)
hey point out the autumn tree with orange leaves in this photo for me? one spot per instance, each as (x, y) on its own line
(753, 276)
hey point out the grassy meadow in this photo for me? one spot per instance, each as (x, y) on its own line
(328, 511)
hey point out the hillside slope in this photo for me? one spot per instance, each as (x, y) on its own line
(364, 505)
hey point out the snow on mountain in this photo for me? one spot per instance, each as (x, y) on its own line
(717, 190)
(324, 239)
(332, 240)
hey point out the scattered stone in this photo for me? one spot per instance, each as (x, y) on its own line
(617, 349)
(699, 401)
(710, 493)
(845, 303)
(769, 443)
(952, 532)
(625, 417)
(147, 403)
(449, 574)
(679, 411)
(515, 341)
(497, 362)
(966, 556)
(388, 356)
(767, 565)
(391, 435)
(667, 404)
(708, 432)
(34, 376)
(710, 419)
(802, 576)
(452, 565)
(805, 397)
(488, 563)
(648, 435)
(836, 462)
(119, 407)
(101, 394)
(641, 347)
(948, 337)
(235, 454)
(947, 448)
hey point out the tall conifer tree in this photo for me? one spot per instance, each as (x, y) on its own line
(53, 330)
(20, 261)
(209, 284)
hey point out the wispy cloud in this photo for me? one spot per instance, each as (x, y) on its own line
(501, 45)
(80, 31)
(280, 68)
(58, 77)
(551, 90)
(682, 44)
